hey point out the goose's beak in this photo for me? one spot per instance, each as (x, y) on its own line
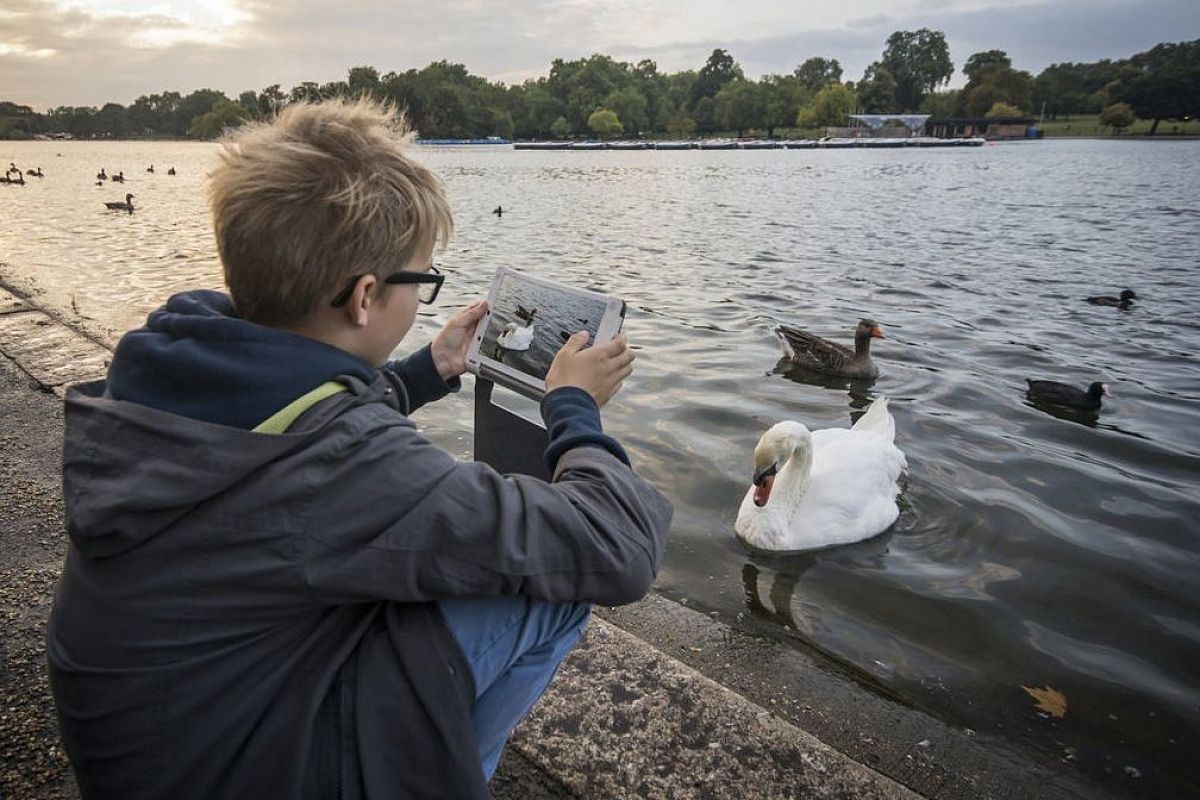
(877, 333)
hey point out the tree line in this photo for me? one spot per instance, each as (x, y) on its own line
(599, 95)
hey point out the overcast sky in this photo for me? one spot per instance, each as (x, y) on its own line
(88, 52)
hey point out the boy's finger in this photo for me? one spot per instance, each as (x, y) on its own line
(576, 342)
(614, 345)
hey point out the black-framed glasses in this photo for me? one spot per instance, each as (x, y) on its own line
(428, 285)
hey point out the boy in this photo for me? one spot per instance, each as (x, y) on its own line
(275, 586)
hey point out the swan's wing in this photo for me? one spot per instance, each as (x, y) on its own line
(877, 420)
(806, 349)
(852, 489)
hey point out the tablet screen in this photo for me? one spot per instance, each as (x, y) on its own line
(530, 322)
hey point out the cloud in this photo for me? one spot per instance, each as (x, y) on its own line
(89, 52)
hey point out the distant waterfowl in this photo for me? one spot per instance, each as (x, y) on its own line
(150, 169)
(1063, 395)
(126, 206)
(821, 355)
(171, 171)
(14, 178)
(36, 173)
(515, 337)
(525, 314)
(1124, 301)
(119, 177)
(498, 211)
(820, 488)
(100, 176)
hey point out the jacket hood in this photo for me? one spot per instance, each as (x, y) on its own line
(197, 358)
(175, 463)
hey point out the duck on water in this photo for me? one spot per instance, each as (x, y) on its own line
(1063, 395)
(821, 355)
(126, 206)
(1123, 302)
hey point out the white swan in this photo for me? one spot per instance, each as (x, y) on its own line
(821, 488)
(514, 337)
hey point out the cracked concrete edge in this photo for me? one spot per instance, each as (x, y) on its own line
(52, 353)
(623, 719)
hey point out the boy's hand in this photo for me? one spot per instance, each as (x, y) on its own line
(449, 347)
(599, 370)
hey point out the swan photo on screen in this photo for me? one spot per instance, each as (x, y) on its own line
(531, 318)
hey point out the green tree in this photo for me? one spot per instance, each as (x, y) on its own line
(943, 105)
(271, 100)
(999, 84)
(1117, 116)
(829, 107)
(817, 72)
(705, 114)
(782, 97)
(1069, 88)
(629, 104)
(919, 62)
(1002, 111)
(583, 85)
(113, 120)
(740, 106)
(604, 121)
(196, 104)
(363, 81)
(681, 124)
(979, 63)
(224, 114)
(249, 101)
(305, 90)
(560, 127)
(877, 91)
(719, 70)
(1162, 83)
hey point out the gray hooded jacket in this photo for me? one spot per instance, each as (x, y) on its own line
(248, 615)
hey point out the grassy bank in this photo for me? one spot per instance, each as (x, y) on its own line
(1089, 125)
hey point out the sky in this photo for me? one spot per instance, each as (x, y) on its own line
(89, 52)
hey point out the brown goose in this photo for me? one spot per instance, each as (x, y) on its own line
(821, 355)
(126, 206)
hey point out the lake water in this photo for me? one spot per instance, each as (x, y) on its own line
(1032, 549)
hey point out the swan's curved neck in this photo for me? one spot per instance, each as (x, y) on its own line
(793, 478)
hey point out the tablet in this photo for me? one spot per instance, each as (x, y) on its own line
(528, 321)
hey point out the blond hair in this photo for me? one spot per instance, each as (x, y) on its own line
(321, 193)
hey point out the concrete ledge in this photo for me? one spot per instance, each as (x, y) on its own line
(624, 720)
(50, 352)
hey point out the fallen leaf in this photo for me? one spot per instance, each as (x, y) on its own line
(1050, 700)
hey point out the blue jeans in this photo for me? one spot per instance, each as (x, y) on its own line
(514, 646)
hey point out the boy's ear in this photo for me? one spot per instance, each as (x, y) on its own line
(358, 307)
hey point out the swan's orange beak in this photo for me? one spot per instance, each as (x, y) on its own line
(762, 490)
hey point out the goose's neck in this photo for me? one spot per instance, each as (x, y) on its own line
(862, 346)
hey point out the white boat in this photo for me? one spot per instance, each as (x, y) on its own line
(588, 146)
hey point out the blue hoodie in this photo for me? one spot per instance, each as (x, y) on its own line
(197, 358)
